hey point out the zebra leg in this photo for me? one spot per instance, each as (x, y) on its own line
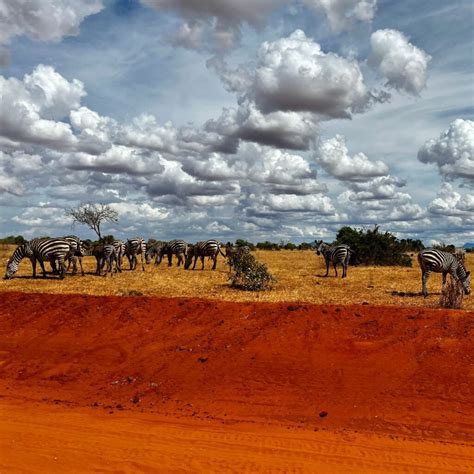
(445, 274)
(344, 270)
(42, 266)
(33, 266)
(170, 259)
(202, 261)
(80, 264)
(424, 278)
(62, 267)
(143, 261)
(215, 262)
(97, 267)
(335, 267)
(195, 261)
(327, 268)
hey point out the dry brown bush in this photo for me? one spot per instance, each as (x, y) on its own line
(452, 294)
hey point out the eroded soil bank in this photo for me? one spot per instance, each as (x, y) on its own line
(393, 373)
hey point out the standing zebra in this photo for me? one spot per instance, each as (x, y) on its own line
(76, 253)
(135, 247)
(173, 247)
(334, 254)
(119, 246)
(53, 250)
(209, 248)
(432, 260)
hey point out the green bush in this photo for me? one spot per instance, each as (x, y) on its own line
(244, 243)
(13, 240)
(248, 274)
(373, 247)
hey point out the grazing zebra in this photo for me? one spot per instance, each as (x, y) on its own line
(173, 247)
(334, 254)
(209, 248)
(460, 254)
(119, 246)
(432, 260)
(153, 249)
(135, 247)
(39, 250)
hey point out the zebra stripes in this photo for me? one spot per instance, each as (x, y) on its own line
(120, 248)
(40, 250)
(133, 248)
(209, 248)
(335, 254)
(437, 261)
(76, 253)
(173, 247)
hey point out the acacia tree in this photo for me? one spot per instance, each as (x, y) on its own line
(93, 216)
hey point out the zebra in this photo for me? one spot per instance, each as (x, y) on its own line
(134, 247)
(38, 250)
(209, 248)
(153, 249)
(76, 253)
(173, 247)
(432, 260)
(119, 246)
(334, 254)
(105, 254)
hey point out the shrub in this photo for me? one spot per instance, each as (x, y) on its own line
(373, 247)
(244, 243)
(13, 240)
(267, 245)
(452, 294)
(248, 274)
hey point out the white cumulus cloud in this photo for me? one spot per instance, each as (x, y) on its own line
(403, 65)
(453, 151)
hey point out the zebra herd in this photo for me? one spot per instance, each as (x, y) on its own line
(71, 249)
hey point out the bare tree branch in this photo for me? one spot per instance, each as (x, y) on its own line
(93, 216)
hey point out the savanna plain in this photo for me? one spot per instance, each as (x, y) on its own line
(169, 370)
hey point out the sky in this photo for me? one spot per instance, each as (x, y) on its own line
(258, 119)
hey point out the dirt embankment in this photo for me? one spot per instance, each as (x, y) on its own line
(371, 369)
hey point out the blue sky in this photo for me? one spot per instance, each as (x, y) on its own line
(271, 120)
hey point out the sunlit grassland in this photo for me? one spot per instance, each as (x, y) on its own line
(299, 275)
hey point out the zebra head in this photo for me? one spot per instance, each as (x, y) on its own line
(150, 253)
(14, 261)
(466, 283)
(319, 244)
(12, 268)
(189, 256)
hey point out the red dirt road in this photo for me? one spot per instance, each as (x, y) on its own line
(346, 379)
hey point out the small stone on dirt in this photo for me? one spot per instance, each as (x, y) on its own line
(323, 414)
(202, 359)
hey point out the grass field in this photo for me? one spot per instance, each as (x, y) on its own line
(299, 274)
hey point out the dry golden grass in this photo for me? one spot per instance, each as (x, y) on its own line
(299, 275)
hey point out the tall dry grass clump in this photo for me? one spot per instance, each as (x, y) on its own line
(452, 294)
(247, 273)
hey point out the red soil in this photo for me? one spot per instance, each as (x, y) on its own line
(384, 370)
